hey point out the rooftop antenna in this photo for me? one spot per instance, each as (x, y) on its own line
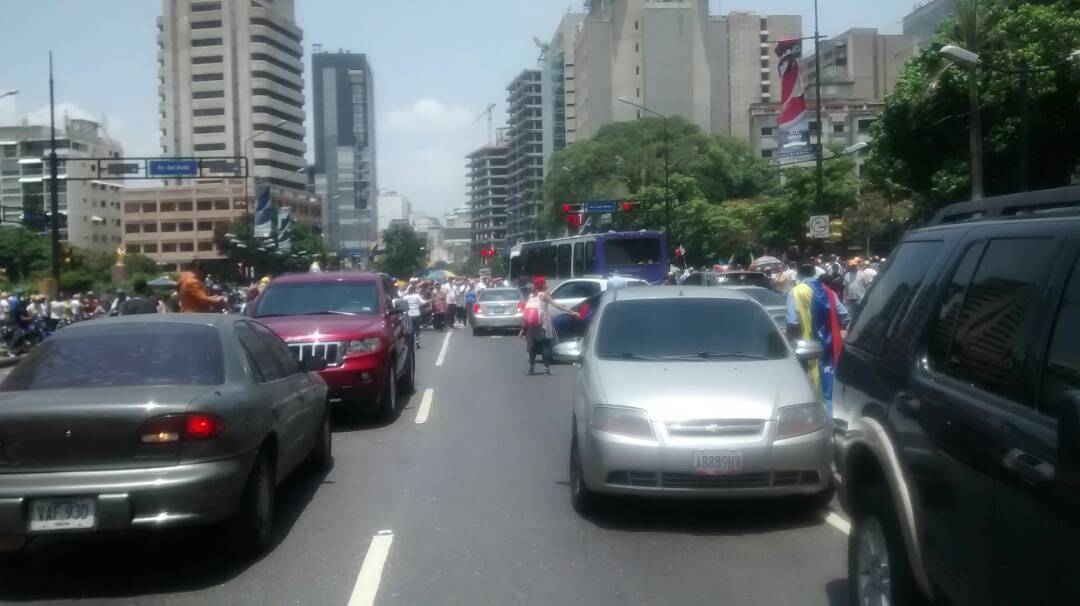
(491, 130)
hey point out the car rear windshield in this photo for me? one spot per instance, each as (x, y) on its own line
(499, 295)
(694, 328)
(122, 355)
(632, 251)
(308, 298)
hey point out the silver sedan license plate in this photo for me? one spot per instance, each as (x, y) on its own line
(61, 514)
(718, 463)
(498, 311)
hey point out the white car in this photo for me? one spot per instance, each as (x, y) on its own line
(576, 290)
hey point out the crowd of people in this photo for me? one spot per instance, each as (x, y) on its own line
(442, 304)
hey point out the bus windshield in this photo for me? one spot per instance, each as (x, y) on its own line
(632, 251)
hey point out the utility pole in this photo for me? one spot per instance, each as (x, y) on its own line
(54, 199)
(820, 175)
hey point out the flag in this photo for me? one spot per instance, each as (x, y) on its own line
(794, 131)
(264, 211)
(284, 231)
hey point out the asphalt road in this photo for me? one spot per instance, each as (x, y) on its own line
(469, 507)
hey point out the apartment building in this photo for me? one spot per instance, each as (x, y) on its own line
(91, 215)
(524, 156)
(922, 22)
(392, 206)
(846, 121)
(487, 179)
(558, 86)
(860, 63)
(344, 98)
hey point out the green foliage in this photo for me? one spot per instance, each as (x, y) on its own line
(920, 143)
(244, 248)
(23, 253)
(403, 253)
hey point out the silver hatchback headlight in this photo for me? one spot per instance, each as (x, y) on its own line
(800, 419)
(622, 421)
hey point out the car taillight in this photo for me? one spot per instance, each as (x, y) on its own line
(476, 308)
(193, 427)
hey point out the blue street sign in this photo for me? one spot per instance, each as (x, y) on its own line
(174, 168)
(600, 206)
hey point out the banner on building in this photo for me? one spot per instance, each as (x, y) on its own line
(284, 230)
(264, 211)
(794, 132)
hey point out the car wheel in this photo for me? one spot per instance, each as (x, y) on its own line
(879, 573)
(253, 525)
(408, 380)
(582, 499)
(322, 456)
(388, 400)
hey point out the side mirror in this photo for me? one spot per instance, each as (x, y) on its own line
(313, 364)
(808, 350)
(1069, 431)
(400, 306)
(568, 351)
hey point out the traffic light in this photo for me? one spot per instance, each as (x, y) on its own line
(574, 220)
(573, 209)
(631, 206)
(487, 252)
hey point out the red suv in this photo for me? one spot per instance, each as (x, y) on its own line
(349, 319)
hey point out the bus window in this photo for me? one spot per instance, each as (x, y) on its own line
(517, 266)
(562, 262)
(590, 258)
(579, 259)
(631, 251)
(548, 257)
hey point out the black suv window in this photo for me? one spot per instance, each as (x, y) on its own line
(1062, 372)
(995, 315)
(892, 295)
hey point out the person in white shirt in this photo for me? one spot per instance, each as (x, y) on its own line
(416, 303)
(451, 302)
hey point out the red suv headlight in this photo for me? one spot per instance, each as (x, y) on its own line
(362, 346)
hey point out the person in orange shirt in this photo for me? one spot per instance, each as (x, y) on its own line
(193, 295)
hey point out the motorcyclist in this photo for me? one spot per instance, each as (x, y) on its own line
(21, 321)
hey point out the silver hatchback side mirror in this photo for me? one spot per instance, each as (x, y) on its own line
(568, 351)
(808, 350)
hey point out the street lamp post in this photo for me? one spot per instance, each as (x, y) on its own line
(54, 195)
(9, 93)
(972, 61)
(819, 180)
(667, 165)
(247, 148)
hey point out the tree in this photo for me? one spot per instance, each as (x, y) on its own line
(920, 143)
(238, 244)
(403, 252)
(23, 253)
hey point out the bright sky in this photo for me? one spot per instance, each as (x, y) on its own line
(437, 63)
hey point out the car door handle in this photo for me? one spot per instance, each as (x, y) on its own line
(1029, 466)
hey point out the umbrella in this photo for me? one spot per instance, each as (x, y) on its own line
(160, 283)
(440, 274)
(762, 262)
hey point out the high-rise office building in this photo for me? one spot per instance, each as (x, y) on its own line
(230, 83)
(393, 206)
(487, 171)
(344, 95)
(676, 59)
(524, 156)
(922, 22)
(858, 64)
(558, 82)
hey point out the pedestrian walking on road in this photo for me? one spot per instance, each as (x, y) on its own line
(416, 303)
(193, 295)
(815, 313)
(537, 327)
(142, 303)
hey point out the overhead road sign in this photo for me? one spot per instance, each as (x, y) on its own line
(600, 206)
(93, 169)
(173, 168)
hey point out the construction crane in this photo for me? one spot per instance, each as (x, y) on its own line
(491, 128)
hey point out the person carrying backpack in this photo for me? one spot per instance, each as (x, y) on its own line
(536, 324)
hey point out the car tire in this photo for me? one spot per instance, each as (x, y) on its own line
(583, 500)
(388, 398)
(253, 525)
(408, 380)
(322, 455)
(878, 568)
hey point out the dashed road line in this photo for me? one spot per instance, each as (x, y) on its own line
(425, 406)
(367, 582)
(838, 522)
(442, 352)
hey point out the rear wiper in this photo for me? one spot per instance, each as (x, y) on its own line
(709, 355)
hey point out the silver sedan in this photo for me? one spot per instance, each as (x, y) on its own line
(155, 421)
(693, 392)
(497, 308)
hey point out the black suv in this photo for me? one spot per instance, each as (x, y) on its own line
(957, 405)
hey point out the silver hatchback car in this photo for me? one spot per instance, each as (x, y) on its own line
(693, 392)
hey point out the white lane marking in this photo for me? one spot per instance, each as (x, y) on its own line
(425, 406)
(838, 522)
(442, 352)
(367, 582)
(496, 336)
